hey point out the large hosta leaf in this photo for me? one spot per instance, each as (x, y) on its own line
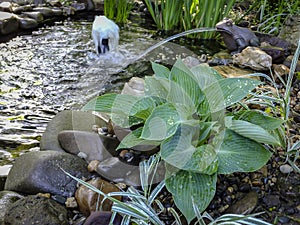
(188, 188)
(103, 103)
(180, 152)
(186, 87)
(160, 70)
(162, 123)
(133, 139)
(205, 75)
(157, 86)
(227, 91)
(259, 118)
(253, 131)
(239, 154)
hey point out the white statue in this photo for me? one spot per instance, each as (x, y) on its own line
(105, 34)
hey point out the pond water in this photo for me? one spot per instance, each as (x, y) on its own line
(55, 68)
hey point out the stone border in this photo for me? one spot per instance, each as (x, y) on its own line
(20, 16)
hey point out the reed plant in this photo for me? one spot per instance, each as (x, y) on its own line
(118, 10)
(188, 14)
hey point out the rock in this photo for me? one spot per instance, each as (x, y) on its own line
(87, 199)
(68, 120)
(68, 11)
(45, 11)
(36, 210)
(6, 199)
(8, 23)
(232, 71)
(191, 61)
(287, 62)
(78, 6)
(57, 12)
(277, 53)
(27, 23)
(245, 205)
(6, 7)
(290, 31)
(280, 69)
(83, 141)
(254, 58)
(19, 9)
(115, 170)
(271, 201)
(35, 15)
(4, 170)
(135, 86)
(285, 169)
(102, 218)
(89, 4)
(41, 171)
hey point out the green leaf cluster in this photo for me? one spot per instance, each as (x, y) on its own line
(185, 112)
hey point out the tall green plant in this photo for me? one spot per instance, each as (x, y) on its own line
(118, 10)
(184, 112)
(188, 14)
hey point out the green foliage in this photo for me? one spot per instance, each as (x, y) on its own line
(188, 14)
(118, 10)
(273, 13)
(185, 112)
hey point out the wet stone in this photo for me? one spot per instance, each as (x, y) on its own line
(245, 205)
(46, 211)
(6, 199)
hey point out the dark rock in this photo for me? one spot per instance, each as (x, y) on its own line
(27, 23)
(41, 171)
(20, 9)
(115, 170)
(290, 31)
(271, 201)
(288, 61)
(88, 199)
(68, 120)
(245, 205)
(36, 210)
(35, 15)
(4, 170)
(45, 11)
(78, 6)
(89, 143)
(6, 199)
(8, 23)
(102, 218)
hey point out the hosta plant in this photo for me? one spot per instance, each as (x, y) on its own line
(194, 118)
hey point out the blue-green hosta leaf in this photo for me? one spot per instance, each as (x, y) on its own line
(227, 91)
(239, 154)
(259, 118)
(190, 188)
(157, 86)
(184, 87)
(160, 70)
(179, 151)
(162, 123)
(205, 75)
(133, 139)
(253, 131)
(142, 108)
(103, 103)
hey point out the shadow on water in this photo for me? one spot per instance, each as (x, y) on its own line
(56, 68)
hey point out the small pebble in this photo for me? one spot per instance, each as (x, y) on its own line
(285, 168)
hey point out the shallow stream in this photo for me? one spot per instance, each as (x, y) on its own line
(56, 68)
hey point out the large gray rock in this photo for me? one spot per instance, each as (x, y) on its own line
(68, 120)
(88, 143)
(6, 6)
(37, 16)
(8, 23)
(27, 23)
(36, 210)
(6, 199)
(41, 171)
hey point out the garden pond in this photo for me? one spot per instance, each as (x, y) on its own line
(55, 68)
